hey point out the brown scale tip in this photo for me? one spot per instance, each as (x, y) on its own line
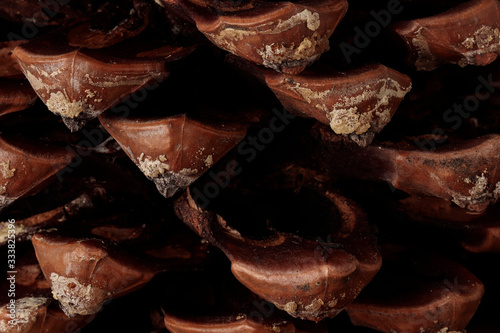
(26, 166)
(468, 34)
(78, 84)
(315, 281)
(357, 103)
(417, 293)
(225, 324)
(285, 36)
(464, 172)
(84, 274)
(173, 151)
(37, 314)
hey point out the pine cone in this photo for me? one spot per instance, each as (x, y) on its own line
(249, 166)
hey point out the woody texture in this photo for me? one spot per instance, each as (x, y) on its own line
(291, 166)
